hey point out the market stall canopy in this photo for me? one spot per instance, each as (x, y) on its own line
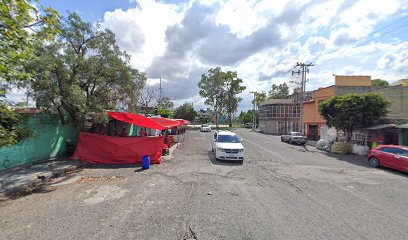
(136, 119)
(169, 123)
(182, 121)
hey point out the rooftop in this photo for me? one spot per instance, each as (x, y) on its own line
(277, 101)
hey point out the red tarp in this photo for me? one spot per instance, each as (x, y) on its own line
(95, 148)
(169, 123)
(136, 119)
(182, 121)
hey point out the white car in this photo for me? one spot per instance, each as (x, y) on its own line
(205, 128)
(227, 146)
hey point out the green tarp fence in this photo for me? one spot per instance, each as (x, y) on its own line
(49, 141)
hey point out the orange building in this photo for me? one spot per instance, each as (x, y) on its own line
(312, 119)
(314, 123)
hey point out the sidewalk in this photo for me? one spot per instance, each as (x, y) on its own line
(31, 176)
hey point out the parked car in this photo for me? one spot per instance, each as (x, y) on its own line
(205, 128)
(391, 156)
(294, 137)
(227, 146)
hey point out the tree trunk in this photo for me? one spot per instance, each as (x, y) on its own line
(230, 119)
(349, 134)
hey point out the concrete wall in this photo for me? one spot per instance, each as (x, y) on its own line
(268, 126)
(397, 95)
(311, 113)
(49, 140)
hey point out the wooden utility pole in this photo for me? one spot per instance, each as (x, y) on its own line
(304, 70)
(253, 112)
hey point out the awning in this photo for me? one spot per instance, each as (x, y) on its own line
(136, 119)
(169, 123)
(381, 126)
(182, 121)
(403, 126)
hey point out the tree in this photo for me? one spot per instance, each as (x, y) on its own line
(259, 98)
(149, 98)
(185, 111)
(279, 91)
(10, 130)
(353, 111)
(379, 83)
(83, 71)
(211, 89)
(220, 90)
(22, 27)
(232, 87)
(246, 117)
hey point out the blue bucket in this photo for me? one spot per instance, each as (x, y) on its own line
(145, 162)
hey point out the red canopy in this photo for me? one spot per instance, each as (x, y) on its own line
(136, 119)
(169, 123)
(182, 121)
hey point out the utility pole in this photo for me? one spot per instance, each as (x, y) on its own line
(160, 92)
(304, 70)
(253, 112)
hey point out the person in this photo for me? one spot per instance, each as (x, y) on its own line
(142, 132)
(124, 133)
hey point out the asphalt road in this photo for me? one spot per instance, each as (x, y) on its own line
(281, 191)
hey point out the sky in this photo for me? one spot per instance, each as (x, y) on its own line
(179, 40)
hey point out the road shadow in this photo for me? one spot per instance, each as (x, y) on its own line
(112, 166)
(211, 156)
(362, 162)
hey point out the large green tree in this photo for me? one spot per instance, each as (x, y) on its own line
(231, 88)
(279, 91)
(353, 111)
(83, 71)
(23, 25)
(379, 83)
(220, 90)
(185, 111)
(211, 88)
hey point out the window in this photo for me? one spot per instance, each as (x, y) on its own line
(228, 138)
(390, 150)
(403, 152)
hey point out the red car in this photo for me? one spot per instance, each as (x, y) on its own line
(392, 156)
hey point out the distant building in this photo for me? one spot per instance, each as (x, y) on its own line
(296, 95)
(402, 82)
(205, 116)
(279, 116)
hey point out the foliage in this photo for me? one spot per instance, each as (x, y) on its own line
(379, 83)
(185, 111)
(278, 91)
(149, 100)
(220, 89)
(11, 131)
(166, 113)
(353, 111)
(83, 73)
(22, 27)
(259, 97)
(247, 117)
(232, 87)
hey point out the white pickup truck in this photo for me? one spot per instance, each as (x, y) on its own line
(294, 137)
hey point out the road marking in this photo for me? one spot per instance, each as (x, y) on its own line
(273, 153)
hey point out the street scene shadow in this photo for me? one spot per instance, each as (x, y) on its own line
(112, 166)
(211, 156)
(362, 162)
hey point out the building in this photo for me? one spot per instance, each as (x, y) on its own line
(279, 116)
(296, 95)
(205, 116)
(316, 128)
(402, 82)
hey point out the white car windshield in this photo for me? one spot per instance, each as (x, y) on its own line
(296, 134)
(205, 125)
(228, 138)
